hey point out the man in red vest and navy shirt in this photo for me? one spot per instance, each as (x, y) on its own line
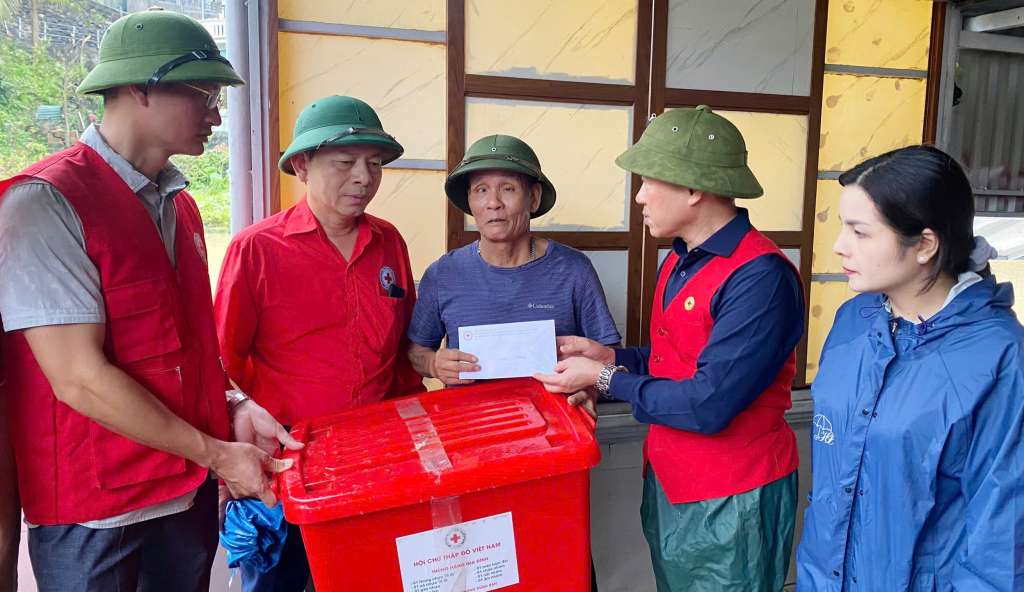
(720, 479)
(114, 386)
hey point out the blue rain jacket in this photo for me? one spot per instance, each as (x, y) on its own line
(253, 534)
(917, 451)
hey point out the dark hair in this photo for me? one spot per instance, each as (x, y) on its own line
(109, 94)
(921, 187)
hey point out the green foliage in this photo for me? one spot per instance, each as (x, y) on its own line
(208, 184)
(30, 77)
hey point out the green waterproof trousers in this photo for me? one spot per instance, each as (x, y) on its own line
(737, 543)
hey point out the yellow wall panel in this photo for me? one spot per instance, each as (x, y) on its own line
(421, 15)
(565, 40)
(879, 33)
(826, 228)
(777, 148)
(577, 146)
(403, 81)
(864, 116)
(292, 190)
(826, 298)
(413, 201)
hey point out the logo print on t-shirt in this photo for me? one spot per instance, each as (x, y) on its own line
(199, 247)
(387, 277)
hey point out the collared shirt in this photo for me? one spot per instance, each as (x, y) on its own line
(759, 319)
(157, 198)
(306, 332)
(48, 278)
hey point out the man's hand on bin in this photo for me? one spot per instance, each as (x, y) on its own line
(252, 424)
(244, 468)
(448, 363)
(587, 399)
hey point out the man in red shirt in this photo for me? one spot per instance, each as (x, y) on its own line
(314, 302)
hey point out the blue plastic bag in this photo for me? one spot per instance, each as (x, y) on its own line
(253, 534)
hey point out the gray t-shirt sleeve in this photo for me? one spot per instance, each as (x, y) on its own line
(592, 315)
(427, 327)
(47, 276)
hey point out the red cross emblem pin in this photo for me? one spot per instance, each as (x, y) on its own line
(387, 277)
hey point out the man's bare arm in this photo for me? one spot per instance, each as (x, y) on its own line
(443, 364)
(422, 359)
(71, 357)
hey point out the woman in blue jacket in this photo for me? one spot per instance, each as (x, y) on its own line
(917, 452)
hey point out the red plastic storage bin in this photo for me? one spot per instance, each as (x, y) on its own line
(485, 487)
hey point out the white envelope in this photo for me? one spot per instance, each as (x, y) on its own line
(510, 350)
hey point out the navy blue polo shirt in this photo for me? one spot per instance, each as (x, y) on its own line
(759, 319)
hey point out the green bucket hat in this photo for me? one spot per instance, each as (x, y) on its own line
(158, 46)
(338, 121)
(498, 153)
(694, 148)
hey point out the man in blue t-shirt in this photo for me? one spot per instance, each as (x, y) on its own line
(508, 275)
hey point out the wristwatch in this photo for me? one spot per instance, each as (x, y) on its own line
(235, 398)
(604, 379)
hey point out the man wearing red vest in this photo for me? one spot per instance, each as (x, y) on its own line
(115, 390)
(720, 482)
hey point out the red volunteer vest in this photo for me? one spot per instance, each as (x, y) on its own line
(758, 447)
(160, 331)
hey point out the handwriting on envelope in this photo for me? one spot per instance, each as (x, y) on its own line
(510, 350)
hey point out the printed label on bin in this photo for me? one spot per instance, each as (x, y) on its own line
(465, 557)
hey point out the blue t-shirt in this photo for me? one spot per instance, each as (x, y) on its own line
(461, 289)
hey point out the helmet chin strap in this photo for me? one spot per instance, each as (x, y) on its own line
(189, 57)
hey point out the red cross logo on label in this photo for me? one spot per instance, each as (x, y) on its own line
(387, 277)
(455, 538)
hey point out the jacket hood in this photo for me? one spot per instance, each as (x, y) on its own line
(980, 302)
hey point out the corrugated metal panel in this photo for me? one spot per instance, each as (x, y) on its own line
(51, 112)
(988, 128)
(1006, 234)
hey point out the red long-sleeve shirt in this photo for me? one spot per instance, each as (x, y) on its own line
(305, 332)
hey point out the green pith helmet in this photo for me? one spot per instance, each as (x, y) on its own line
(694, 148)
(338, 121)
(498, 153)
(158, 46)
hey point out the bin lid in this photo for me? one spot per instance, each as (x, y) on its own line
(432, 446)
